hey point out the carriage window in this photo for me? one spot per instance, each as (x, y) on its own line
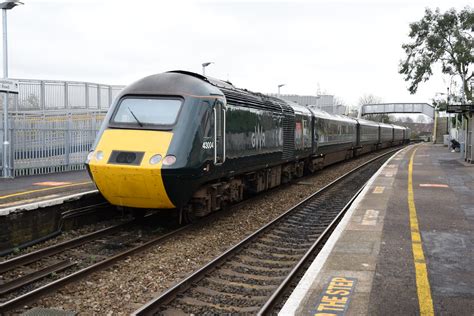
(147, 111)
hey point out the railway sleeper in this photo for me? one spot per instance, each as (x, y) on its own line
(217, 308)
(247, 268)
(226, 273)
(279, 250)
(279, 264)
(230, 299)
(240, 285)
(214, 293)
(283, 243)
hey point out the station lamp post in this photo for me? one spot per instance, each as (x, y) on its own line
(279, 86)
(6, 5)
(204, 65)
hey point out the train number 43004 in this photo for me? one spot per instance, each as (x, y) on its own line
(208, 145)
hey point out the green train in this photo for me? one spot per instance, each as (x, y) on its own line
(179, 140)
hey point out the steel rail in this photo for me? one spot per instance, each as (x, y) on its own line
(153, 306)
(34, 276)
(51, 287)
(272, 301)
(286, 284)
(54, 249)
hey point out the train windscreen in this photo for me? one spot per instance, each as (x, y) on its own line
(147, 111)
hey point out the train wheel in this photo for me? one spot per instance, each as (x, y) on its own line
(186, 215)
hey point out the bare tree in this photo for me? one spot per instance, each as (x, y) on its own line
(372, 99)
(369, 99)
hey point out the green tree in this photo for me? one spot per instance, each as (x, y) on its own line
(440, 38)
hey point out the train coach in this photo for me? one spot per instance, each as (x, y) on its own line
(179, 140)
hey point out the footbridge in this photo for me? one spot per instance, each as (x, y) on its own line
(388, 108)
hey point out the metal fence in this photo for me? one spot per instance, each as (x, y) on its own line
(53, 124)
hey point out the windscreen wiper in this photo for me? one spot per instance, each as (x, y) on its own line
(136, 119)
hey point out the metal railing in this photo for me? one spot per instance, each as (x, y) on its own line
(48, 94)
(53, 124)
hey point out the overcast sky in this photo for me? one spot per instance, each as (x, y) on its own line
(346, 48)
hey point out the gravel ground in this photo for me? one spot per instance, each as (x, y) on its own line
(129, 284)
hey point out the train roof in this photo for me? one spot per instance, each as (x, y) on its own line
(167, 83)
(385, 125)
(211, 80)
(298, 107)
(336, 117)
(367, 122)
(242, 97)
(398, 126)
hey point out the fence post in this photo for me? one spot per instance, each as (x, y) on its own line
(12, 139)
(87, 94)
(99, 106)
(42, 96)
(6, 138)
(66, 96)
(110, 97)
(67, 144)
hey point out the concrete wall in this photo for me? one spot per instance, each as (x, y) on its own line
(441, 129)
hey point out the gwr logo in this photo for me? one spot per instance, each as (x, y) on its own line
(258, 137)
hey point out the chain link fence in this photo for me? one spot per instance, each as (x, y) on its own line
(53, 124)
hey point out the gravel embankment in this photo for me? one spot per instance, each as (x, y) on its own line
(129, 284)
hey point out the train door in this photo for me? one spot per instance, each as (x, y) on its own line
(219, 132)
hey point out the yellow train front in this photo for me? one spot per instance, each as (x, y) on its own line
(144, 157)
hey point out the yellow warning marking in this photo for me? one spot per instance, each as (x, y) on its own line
(41, 190)
(433, 185)
(378, 190)
(51, 183)
(422, 283)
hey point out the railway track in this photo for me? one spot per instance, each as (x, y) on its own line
(254, 275)
(58, 265)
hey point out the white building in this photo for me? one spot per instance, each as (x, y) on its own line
(323, 102)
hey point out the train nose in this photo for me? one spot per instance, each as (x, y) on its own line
(126, 167)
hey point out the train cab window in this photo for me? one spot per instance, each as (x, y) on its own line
(147, 111)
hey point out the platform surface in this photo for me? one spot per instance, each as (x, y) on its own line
(31, 189)
(399, 251)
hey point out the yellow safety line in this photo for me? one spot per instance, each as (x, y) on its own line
(45, 189)
(422, 282)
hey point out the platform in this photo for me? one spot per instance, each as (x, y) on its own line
(33, 189)
(406, 246)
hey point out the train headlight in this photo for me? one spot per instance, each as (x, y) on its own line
(169, 160)
(89, 156)
(155, 159)
(99, 155)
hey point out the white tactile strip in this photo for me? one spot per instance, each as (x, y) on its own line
(41, 204)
